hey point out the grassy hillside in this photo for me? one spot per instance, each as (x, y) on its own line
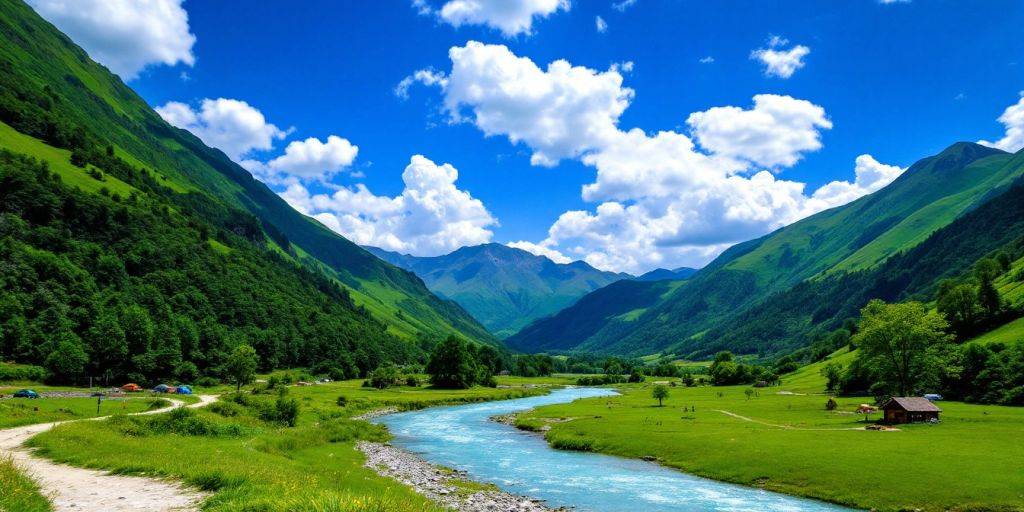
(858, 236)
(503, 287)
(52, 91)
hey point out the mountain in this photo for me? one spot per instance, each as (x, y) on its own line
(503, 287)
(56, 100)
(858, 236)
(664, 274)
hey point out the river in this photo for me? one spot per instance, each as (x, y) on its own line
(463, 437)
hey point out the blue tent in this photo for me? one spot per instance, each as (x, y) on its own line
(162, 388)
(184, 390)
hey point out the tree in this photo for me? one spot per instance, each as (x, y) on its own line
(451, 365)
(241, 365)
(901, 343)
(385, 376)
(67, 362)
(659, 393)
(833, 374)
(958, 303)
(988, 297)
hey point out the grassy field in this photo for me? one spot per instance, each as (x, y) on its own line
(784, 440)
(15, 412)
(255, 465)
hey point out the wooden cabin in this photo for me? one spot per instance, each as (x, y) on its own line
(910, 409)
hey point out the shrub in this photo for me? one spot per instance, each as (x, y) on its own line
(342, 401)
(831, 404)
(412, 381)
(34, 373)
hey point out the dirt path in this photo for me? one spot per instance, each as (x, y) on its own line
(87, 490)
(786, 427)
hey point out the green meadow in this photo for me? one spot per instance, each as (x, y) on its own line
(15, 412)
(783, 439)
(251, 463)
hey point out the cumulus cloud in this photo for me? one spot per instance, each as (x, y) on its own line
(559, 112)
(775, 132)
(233, 126)
(423, 76)
(511, 17)
(1013, 120)
(662, 199)
(870, 175)
(600, 25)
(314, 159)
(431, 216)
(540, 250)
(779, 62)
(706, 59)
(124, 35)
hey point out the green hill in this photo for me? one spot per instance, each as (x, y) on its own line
(860, 235)
(503, 287)
(64, 105)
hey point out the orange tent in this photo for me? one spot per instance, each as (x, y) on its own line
(131, 387)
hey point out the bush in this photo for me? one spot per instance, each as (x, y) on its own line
(284, 411)
(342, 401)
(33, 373)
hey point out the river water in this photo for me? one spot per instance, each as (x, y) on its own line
(462, 437)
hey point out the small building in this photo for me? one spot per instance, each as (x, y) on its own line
(910, 409)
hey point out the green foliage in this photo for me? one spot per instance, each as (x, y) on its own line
(452, 365)
(659, 392)
(385, 376)
(902, 344)
(17, 491)
(241, 365)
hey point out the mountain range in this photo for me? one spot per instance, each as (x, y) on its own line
(503, 287)
(107, 146)
(853, 239)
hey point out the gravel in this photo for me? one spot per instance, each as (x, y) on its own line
(444, 486)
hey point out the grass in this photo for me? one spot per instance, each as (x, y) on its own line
(1010, 333)
(18, 493)
(789, 443)
(251, 465)
(15, 412)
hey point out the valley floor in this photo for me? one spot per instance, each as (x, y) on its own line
(782, 439)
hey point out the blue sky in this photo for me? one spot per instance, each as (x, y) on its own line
(894, 81)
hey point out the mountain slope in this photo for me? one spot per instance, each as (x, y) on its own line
(929, 195)
(503, 287)
(664, 274)
(51, 90)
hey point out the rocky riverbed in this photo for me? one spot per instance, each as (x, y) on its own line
(445, 486)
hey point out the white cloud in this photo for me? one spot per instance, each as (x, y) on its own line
(870, 176)
(561, 112)
(778, 62)
(431, 216)
(233, 126)
(1013, 120)
(540, 250)
(124, 35)
(890, 2)
(776, 132)
(423, 76)
(662, 199)
(600, 25)
(511, 17)
(706, 59)
(623, 5)
(313, 159)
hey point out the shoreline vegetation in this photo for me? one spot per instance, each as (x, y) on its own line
(247, 460)
(784, 440)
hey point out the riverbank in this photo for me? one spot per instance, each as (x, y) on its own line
(452, 489)
(783, 439)
(246, 460)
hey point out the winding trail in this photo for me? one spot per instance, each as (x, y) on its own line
(775, 425)
(87, 490)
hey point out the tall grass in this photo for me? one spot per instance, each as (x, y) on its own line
(18, 493)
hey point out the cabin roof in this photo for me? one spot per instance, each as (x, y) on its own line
(911, 404)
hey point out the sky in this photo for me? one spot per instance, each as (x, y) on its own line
(632, 134)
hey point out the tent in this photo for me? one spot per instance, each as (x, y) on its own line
(131, 387)
(161, 388)
(184, 390)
